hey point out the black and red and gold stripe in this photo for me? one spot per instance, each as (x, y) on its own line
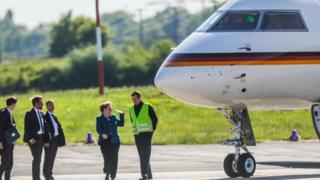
(232, 59)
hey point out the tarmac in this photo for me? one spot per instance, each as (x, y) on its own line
(275, 160)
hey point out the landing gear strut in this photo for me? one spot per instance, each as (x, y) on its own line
(237, 164)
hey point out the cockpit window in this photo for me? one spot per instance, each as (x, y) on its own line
(235, 21)
(209, 23)
(282, 21)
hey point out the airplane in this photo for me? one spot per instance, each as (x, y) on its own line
(250, 54)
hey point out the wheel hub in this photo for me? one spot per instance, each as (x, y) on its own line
(249, 165)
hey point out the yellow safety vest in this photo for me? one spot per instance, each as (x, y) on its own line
(142, 123)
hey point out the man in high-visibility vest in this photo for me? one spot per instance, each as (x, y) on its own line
(144, 120)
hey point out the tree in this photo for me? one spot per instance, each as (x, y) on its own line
(70, 33)
(8, 18)
(160, 51)
(18, 41)
(12, 35)
(36, 41)
(83, 68)
(121, 25)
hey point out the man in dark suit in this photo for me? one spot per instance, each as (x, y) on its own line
(57, 140)
(6, 148)
(36, 134)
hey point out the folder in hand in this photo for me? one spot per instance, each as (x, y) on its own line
(121, 114)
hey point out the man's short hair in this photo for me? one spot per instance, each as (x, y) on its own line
(11, 100)
(35, 99)
(136, 93)
(104, 105)
(50, 101)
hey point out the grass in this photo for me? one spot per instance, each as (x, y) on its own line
(179, 123)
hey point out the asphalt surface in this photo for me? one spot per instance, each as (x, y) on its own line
(275, 160)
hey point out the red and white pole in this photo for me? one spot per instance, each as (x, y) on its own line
(99, 51)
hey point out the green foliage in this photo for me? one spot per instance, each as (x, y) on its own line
(27, 75)
(17, 41)
(179, 123)
(130, 65)
(159, 51)
(70, 33)
(82, 71)
(122, 26)
(133, 64)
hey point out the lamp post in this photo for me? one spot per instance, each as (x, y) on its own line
(99, 51)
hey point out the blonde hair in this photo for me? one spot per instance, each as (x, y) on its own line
(105, 105)
(50, 101)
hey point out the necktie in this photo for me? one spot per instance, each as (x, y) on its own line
(41, 121)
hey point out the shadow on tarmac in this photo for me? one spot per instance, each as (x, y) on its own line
(288, 164)
(307, 176)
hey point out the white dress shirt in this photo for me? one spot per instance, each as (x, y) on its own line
(55, 124)
(11, 118)
(9, 110)
(41, 122)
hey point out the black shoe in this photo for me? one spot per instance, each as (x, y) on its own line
(144, 178)
(107, 177)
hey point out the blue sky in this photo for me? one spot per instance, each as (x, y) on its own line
(32, 12)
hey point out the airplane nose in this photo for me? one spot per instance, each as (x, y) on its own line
(171, 81)
(176, 83)
(161, 79)
(168, 80)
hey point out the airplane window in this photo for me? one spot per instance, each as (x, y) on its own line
(282, 21)
(238, 21)
(208, 23)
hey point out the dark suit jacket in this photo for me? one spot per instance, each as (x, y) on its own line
(61, 137)
(32, 126)
(5, 123)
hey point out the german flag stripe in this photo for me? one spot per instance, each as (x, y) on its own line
(224, 59)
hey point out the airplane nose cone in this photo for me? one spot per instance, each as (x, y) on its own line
(171, 82)
(168, 81)
(161, 79)
(177, 83)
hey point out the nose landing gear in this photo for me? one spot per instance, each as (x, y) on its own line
(237, 164)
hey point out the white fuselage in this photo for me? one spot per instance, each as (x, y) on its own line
(288, 81)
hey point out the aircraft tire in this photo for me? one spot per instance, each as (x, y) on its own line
(246, 165)
(228, 166)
